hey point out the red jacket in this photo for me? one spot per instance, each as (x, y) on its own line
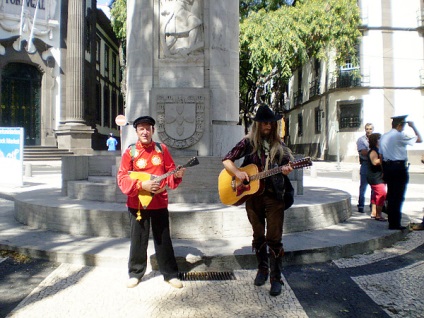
(152, 160)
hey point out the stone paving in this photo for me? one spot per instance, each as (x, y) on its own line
(390, 281)
(401, 291)
(80, 291)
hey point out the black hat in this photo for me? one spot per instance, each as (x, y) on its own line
(265, 114)
(144, 119)
(397, 120)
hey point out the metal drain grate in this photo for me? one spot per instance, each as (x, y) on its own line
(206, 276)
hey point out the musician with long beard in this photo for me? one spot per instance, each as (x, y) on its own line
(265, 211)
(153, 158)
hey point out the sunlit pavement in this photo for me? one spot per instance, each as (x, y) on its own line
(386, 283)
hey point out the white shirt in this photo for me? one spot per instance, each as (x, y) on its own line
(393, 145)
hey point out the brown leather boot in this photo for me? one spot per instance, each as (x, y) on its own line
(276, 266)
(263, 265)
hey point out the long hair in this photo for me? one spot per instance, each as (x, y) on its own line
(373, 139)
(277, 151)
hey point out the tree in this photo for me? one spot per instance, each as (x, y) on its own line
(276, 39)
(118, 13)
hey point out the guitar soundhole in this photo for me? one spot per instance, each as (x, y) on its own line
(242, 188)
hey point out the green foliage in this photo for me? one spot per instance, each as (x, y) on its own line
(287, 37)
(119, 19)
(276, 39)
(248, 6)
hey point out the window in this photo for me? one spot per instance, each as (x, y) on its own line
(106, 107)
(299, 81)
(300, 124)
(106, 57)
(98, 118)
(350, 114)
(317, 66)
(318, 113)
(98, 41)
(87, 34)
(115, 111)
(114, 59)
(121, 104)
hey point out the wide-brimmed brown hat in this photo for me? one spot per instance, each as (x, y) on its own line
(265, 114)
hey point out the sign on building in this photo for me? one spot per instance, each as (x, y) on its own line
(11, 155)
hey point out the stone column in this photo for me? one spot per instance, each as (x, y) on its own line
(73, 134)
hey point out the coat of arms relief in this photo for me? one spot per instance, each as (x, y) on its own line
(181, 120)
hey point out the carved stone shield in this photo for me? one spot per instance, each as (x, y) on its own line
(181, 120)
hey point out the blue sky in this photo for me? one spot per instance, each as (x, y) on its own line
(103, 2)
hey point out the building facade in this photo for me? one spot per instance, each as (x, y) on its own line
(329, 106)
(60, 74)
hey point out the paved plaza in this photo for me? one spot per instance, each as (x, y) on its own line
(385, 283)
(364, 286)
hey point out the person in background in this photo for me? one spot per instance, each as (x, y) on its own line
(395, 166)
(151, 158)
(362, 146)
(375, 178)
(264, 148)
(111, 143)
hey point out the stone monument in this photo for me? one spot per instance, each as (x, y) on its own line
(183, 70)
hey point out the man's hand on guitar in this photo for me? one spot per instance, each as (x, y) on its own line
(242, 175)
(151, 186)
(180, 172)
(286, 169)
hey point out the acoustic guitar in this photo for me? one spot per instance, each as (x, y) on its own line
(146, 197)
(233, 191)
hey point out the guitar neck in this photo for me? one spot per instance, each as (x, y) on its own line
(166, 175)
(267, 173)
(295, 165)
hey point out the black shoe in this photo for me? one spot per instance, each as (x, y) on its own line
(397, 227)
(360, 209)
(261, 278)
(276, 287)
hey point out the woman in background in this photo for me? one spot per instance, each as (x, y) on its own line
(375, 178)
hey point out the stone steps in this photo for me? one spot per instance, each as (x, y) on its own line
(44, 153)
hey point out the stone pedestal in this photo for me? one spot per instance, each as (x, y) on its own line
(182, 67)
(75, 137)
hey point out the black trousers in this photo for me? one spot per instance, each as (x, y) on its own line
(396, 176)
(139, 236)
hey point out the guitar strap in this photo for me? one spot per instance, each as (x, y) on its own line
(158, 148)
(266, 148)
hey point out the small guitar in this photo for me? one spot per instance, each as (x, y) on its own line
(146, 197)
(232, 191)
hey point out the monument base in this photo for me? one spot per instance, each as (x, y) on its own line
(75, 137)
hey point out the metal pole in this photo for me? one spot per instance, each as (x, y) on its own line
(336, 128)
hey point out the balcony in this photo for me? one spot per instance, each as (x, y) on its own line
(347, 78)
(314, 88)
(298, 97)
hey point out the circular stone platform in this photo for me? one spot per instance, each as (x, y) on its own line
(317, 208)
